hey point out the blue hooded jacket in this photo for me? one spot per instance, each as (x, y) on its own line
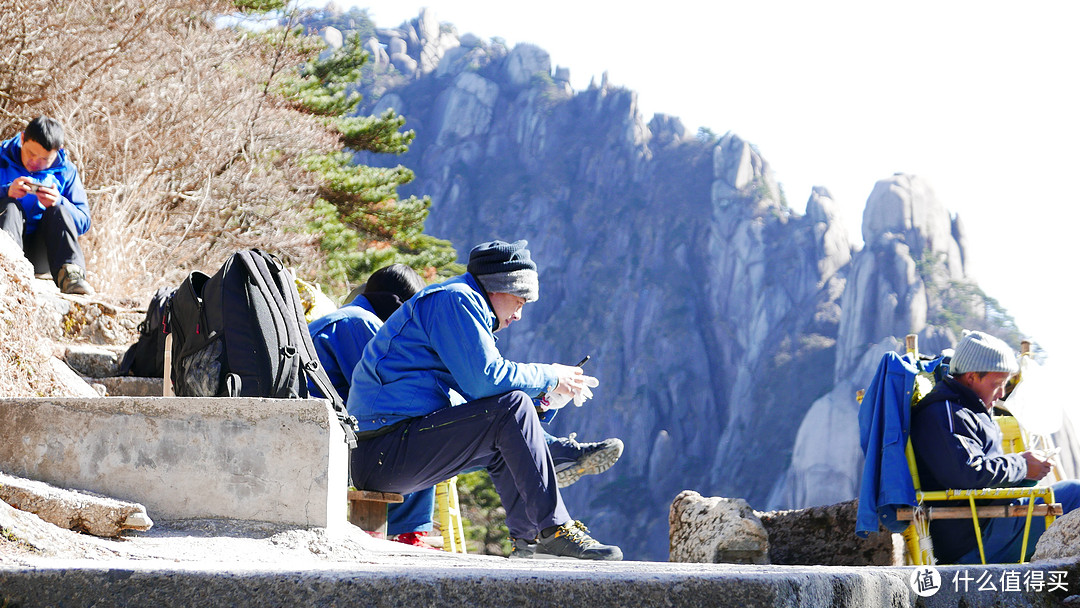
(436, 351)
(62, 174)
(884, 424)
(340, 338)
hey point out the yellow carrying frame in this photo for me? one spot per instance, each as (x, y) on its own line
(917, 535)
(446, 497)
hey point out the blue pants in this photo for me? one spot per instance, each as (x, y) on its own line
(501, 434)
(1003, 536)
(416, 513)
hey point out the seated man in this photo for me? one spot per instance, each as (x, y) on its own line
(416, 432)
(958, 445)
(339, 339)
(43, 205)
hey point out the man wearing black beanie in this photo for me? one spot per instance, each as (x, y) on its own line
(433, 396)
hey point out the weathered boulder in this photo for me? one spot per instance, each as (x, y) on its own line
(716, 530)
(73, 510)
(1061, 540)
(379, 56)
(825, 536)
(525, 62)
(92, 361)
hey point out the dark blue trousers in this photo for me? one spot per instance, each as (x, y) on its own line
(501, 434)
(415, 514)
(54, 242)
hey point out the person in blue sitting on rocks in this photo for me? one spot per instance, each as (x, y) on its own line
(43, 203)
(958, 445)
(340, 338)
(433, 396)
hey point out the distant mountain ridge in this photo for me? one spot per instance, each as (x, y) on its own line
(729, 332)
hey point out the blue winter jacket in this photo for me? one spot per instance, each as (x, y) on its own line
(62, 175)
(340, 338)
(884, 420)
(958, 445)
(437, 351)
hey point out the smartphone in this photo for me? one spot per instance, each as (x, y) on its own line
(33, 186)
(583, 361)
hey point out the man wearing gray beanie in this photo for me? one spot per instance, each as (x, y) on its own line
(433, 397)
(958, 445)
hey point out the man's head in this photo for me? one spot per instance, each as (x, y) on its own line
(508, 275)
(984, 364)
(389, 286)
(41, 143)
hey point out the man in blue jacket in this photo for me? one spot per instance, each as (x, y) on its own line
(958, 445)
(339, 339)
(43, 205)
(433, 396)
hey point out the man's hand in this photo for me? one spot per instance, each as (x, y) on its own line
(1037, 467)
(46, 195)
(574, 383)
(20, 187)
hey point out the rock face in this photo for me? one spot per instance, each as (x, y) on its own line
(729, 332)
(716, 530)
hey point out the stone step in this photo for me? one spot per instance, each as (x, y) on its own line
(478, 582)
(274, 460)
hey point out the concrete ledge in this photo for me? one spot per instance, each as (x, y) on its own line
(276, 460)
(420, 582)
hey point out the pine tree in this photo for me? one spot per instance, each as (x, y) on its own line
(363, 223)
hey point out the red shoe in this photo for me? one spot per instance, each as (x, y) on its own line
(416, 539)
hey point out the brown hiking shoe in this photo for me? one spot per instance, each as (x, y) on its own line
(72, 279)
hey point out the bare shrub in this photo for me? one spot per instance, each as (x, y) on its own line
(185, 153)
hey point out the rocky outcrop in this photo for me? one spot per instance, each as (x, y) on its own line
(729, 331)
(821, 536)
(73, 510)
(716, 530)
(1061, 540)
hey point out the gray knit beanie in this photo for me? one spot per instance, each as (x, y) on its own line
(981, 352)
(503, 267)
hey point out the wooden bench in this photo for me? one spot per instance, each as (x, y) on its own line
(1040, 510)
(367, 509)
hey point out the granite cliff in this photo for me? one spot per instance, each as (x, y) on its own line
(729, 331)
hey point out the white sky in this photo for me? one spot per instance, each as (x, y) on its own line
(980, 98)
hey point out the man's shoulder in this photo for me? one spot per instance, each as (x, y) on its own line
(457, 288)
(344, 317)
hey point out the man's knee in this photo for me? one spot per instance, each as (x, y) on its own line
(57, 216)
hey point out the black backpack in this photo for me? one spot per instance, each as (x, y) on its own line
(146, 357)
(241, 333)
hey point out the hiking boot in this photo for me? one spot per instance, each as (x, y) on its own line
(572, 541)
(523, 549)
(413, 539)
(72, 279)
(594, 458)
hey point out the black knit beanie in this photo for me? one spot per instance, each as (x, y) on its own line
(503, 267)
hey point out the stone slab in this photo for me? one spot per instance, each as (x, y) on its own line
(497, 582)
(276, 460)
